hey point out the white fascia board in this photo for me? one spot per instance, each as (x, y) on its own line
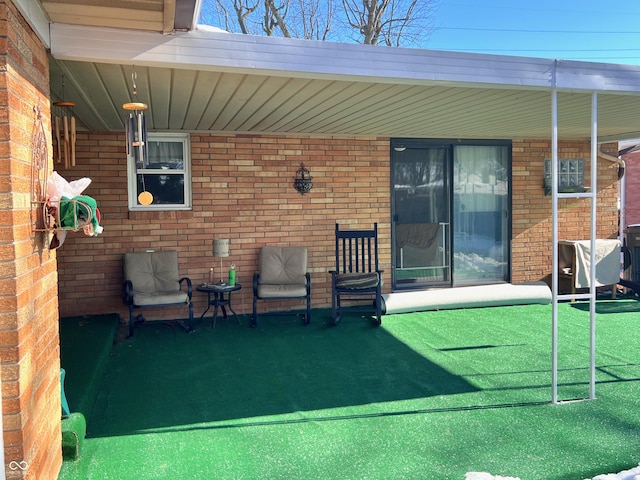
(607, 77)
(225, 52)
(36, 18)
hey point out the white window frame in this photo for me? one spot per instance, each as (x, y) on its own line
(173, 137)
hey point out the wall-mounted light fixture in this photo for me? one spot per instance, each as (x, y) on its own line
(400, 148)
(302, 182)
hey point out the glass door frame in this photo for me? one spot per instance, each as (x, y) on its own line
(397, 145)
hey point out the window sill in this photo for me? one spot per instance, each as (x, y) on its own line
(160, 214)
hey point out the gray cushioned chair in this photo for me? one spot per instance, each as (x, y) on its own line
(151, 279)
(282, 274)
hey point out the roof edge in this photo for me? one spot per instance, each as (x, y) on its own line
(203, 49)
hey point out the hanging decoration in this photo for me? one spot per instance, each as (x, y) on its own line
(302, 182)
(64, 131)
(58, 206)
(136, 134)
(39, 173)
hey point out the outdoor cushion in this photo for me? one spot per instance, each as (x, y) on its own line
(357, 281)
(153, 273)
(283, 266)
(281, 291)
(160, 298)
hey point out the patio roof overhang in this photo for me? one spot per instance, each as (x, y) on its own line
(205, 80)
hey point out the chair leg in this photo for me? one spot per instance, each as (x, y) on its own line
(254, 318)
(307, 319)
(131, 321)
(335, 308)
(379, 306)
(190, 317)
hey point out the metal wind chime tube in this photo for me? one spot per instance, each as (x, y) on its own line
(64, 131)
(136, 134)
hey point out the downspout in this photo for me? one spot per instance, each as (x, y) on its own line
(613, 159)
(622, 187)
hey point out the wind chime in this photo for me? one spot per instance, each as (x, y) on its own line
(64, 131)
(136, 134)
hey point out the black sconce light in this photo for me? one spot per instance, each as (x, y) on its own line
(302, 182)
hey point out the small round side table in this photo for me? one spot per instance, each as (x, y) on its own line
(216, 297)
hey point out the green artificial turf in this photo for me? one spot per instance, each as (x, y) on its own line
(85, 344)
(428, 395)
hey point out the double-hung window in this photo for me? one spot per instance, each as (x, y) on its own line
(165, 177)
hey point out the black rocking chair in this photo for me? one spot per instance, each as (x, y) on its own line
(357, 271)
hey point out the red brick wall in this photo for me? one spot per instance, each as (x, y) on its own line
(242, 190)
(632, 188)
(29, 345)
(531, 217)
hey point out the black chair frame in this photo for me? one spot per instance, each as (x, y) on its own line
(306, 317)
(127, 298)
(357, 259)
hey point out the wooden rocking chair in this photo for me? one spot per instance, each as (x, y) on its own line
(356, 272)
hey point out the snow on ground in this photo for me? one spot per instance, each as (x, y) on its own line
(633, 474)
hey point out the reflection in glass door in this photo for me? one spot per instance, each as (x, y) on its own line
(480, 214)
(450, 214)
(421, 199)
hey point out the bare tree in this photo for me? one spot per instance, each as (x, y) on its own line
(386, 22)
(389, 22)
(275, 16)
(312, 19)
(243, 10)
(229, 15)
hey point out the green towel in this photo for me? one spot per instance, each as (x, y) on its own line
(73, 213)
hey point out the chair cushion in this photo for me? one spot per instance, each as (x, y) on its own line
(160, 298)
(281, 291)
(283, 265)
(357, 281)
(152, 272)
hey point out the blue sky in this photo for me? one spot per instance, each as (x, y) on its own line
(591, 30)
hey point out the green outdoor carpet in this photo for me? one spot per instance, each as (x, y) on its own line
(85, 346)
(430, 395)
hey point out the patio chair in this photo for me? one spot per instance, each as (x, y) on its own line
(151, 280)
(356, 272)
(282, 274)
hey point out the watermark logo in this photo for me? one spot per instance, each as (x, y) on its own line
(18, 465)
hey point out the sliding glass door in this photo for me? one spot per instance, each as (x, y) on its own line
(481, 214)
(450, 213)
(421, 219)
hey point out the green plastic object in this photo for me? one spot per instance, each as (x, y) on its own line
(65, 405)
(74, 430)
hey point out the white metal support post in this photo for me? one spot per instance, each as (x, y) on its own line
(554, 240)
(592, 195)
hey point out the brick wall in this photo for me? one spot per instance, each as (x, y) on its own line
(532, 223)
(632, 188)
(29, 345)
(242, 190)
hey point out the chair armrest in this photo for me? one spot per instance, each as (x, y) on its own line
(127, 292)
(256, 278)
(187, 280)
(308, 277)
